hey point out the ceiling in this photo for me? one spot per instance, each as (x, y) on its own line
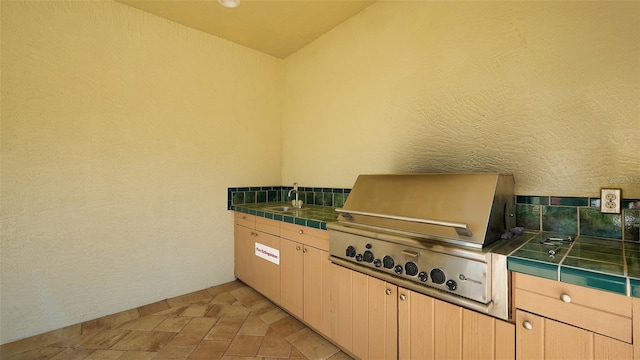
(275, 27)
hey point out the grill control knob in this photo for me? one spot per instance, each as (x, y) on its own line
(351, 251)
(452, 285)
(437, 276)
(398, 269)
(368, 246)
(411, 268)
(377, 262)
(422, 276)
(388, 262)
(359, 257)
(368, 256)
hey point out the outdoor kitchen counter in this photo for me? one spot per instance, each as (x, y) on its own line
(315, 216)
(604, 264)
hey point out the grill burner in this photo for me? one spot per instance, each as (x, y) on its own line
(437, 234)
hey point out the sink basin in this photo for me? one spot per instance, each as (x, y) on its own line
(285, 209)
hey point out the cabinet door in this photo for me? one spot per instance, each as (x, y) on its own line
(448, 330)
(597, 311)
(607, 348)
(529, 336)
(383, 319)
(243, 254)
(505, 340)
(636, 328)
(564, 341)
(291, 276)
(485, 337)
(360, 314)
(415, 326)
(541, 338)
(364, 314)
(267, 273)
(326, 295)
(341, 305)
(315, 290)
(433, 329)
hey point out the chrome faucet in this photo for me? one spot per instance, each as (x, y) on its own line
(295, 190)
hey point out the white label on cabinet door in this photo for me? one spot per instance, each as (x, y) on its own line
(268, 253)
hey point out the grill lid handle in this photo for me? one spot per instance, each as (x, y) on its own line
(460, 228)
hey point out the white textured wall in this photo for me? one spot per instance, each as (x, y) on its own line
(121, 132)
(549, 91)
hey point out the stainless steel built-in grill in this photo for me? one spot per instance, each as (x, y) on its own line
(432, 233)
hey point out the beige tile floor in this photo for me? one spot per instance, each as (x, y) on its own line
(229, 322)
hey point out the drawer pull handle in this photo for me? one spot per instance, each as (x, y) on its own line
(566, 298)
(413, 254)
(388, 291)
(243, 217)
(403, 297)
(527, 325)
(300, 231)
(297, 248)
(304, 250)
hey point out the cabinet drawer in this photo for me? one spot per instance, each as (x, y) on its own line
(267, 225)
(598, 311)
(306, 235)
(245, 220)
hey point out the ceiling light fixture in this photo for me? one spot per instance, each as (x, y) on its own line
(229, 3)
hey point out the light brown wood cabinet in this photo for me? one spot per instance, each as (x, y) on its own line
(382, 314)
(556, 320)
(636, 328)
(262, 275)
(305, 275)
(364, 314)
(433, 329)
(317, 290)
(292, 277)
(342, 306)
(243, 255)
(300, 283)
(374, 319)
(542, 338)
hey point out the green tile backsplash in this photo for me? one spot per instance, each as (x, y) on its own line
(528, 216)
(534, 200)
(565, 215)
(595, 223)
(562, 219)
(631, 225)
(578, 215)
(333, 197)
(571, 201)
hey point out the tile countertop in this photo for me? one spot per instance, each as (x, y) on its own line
(604, 264)
(315, 216)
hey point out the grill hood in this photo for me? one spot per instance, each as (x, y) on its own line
(472, 209)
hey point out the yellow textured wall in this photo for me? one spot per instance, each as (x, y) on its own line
(549, 91)
(121, 132)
